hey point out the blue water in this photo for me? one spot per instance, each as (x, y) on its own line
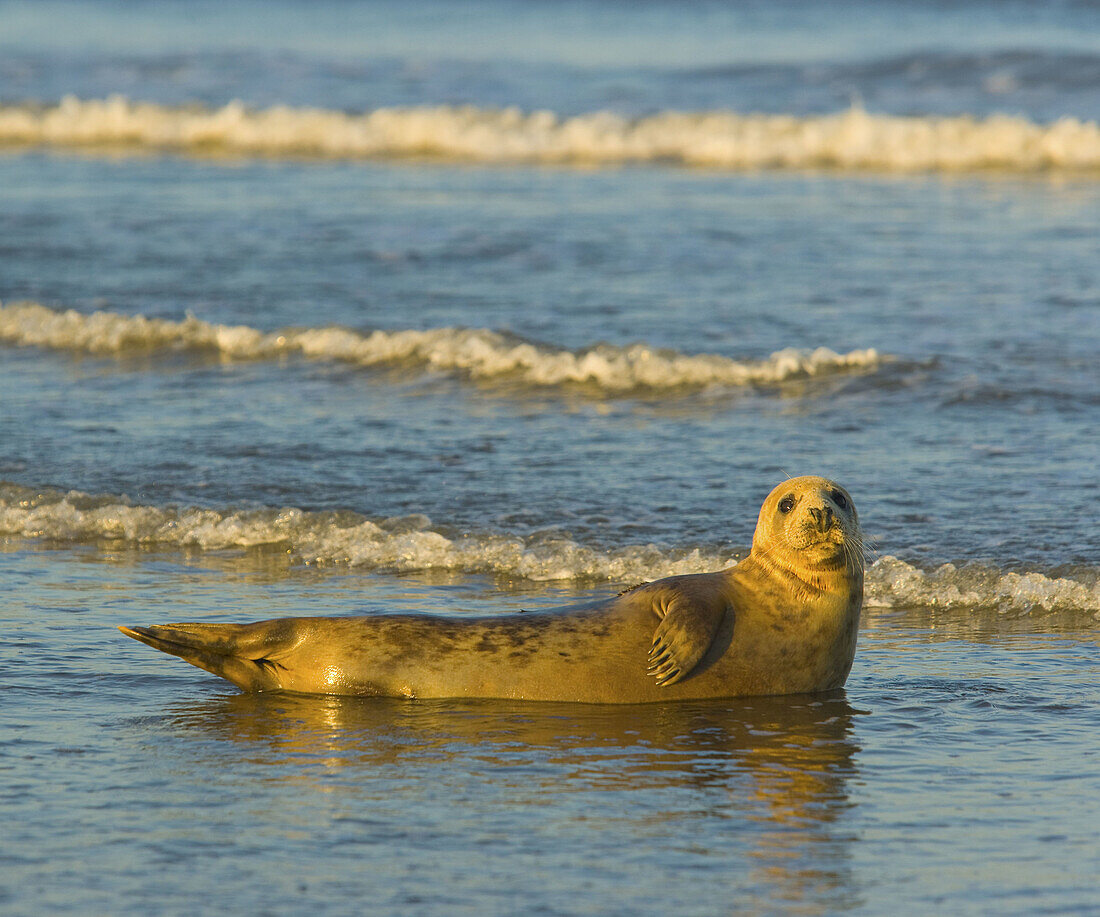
(145, 482)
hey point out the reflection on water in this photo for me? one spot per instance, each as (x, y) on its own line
(761, 782)
(980, 624)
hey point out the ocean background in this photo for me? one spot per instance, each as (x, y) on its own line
(354, 307)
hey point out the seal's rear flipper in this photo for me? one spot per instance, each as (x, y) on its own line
(240, 653)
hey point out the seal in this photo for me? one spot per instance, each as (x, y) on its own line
(782, 621)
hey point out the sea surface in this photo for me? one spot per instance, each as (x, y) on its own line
(349, 308)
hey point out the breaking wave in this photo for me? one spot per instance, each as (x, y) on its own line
(892, 583)
(472, 352)
(400, 544)
(849, 140)
(412, 543)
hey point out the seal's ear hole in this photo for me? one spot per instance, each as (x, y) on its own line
(786, 504)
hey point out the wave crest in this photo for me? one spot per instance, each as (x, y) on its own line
(400, 544)
(476, 353)
(892, 583)
(851, 140)
(411, 543)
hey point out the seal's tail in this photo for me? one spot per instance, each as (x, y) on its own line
(245, 654)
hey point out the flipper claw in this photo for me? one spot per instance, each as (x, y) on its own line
(683, 637)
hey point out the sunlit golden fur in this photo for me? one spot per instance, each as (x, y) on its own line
(782, 621)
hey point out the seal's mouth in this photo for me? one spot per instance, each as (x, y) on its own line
(829, 546)
(822, 538)
(830, 542)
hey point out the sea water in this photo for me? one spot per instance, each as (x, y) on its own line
(343, 308)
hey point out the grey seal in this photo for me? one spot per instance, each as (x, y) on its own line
(784, 620)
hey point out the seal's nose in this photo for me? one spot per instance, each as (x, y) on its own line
(823, 517)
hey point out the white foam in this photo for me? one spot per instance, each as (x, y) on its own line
(412, 543)
(850, 140)
(395, 545)
(892, 583)
(473, 352)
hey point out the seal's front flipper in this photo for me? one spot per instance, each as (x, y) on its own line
(683, 638)
(245, 654)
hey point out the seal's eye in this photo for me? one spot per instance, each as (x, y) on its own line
(839, 499)
(786, 504)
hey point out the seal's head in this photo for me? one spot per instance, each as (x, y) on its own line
(810, 523)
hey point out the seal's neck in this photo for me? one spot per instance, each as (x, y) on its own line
(809, 582)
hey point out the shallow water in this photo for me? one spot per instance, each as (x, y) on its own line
(245, 378)
(963, 751)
